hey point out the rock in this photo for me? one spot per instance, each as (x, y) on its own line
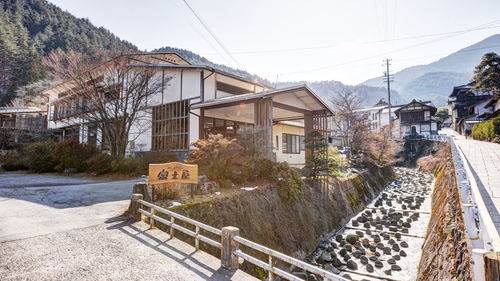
(365, 242)
(357, 245)
(380, 245)
(347, 257)
(342, 252)
(336, 262)
(391, 241)
(338, 238)
(404, 244)
(396, 257)
(363, 259)
(356, 254)
(352, 265)
(388, 272)
(373, 248)
(355, 223)
(402, 253)
(342, 243)
(326, 256)
(395, 247)
(387, 250)
(377, 254)
(359, 233)
(332, 269)
(373, 258)
(379, 264)
(395, 267)
(369, 268)
(376, 238)
(367, 225)
(352, 238)
(348, 247)
(391, 261)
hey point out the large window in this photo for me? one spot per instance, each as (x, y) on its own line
(292, 144)
(227, 128)
(170, 126)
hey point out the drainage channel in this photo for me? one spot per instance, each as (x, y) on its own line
(384, 241)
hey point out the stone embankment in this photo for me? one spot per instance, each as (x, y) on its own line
(384, 240)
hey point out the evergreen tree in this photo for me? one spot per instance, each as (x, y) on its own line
(487, 74)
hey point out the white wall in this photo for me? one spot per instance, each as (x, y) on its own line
(293, 159)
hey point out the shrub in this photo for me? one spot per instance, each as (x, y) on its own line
(13, 160)
(486, 130)
(40, 157)
(290, 185)
(168, 192)
(221, 160)
(100, 163)
(71, 154)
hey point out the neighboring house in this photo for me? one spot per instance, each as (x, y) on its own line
(465, 105)
(31, 118)
(416, 117)
(22, 125)
(492, 108)
(375, 117)
(198, 100)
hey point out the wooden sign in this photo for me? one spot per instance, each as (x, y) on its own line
(173, 172)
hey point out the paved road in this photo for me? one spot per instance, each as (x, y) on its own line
(35, 205)
(61, 228)
(484, 160)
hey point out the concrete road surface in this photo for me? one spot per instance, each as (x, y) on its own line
(32, 205)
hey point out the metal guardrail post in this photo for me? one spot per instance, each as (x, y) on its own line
(135, 206)
(228, 259)
(478, 258)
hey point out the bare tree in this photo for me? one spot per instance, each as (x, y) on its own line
(347, 119)
(382, 143)
(112, 95)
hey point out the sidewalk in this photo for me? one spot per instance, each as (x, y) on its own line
(484, 160)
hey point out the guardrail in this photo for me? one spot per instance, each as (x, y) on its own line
(229, 245)
(481, 231)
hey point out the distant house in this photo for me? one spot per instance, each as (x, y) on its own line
(492, 108)
(31, 118)
(22, 125)
(198, 100)
(466, 105)
(416, 117)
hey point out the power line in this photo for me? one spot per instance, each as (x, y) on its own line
(199, 32)
(214, 36)
(402, 49)
(362, 43)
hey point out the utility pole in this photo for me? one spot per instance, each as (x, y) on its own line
(388, 78)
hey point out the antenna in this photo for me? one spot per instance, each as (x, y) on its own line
(388, 78)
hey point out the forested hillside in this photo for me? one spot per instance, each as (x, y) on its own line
(31, 29)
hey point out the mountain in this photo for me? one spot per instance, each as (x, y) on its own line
(436, 80)
(31, 29)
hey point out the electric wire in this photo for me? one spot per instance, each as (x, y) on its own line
(213, 35)
(199, 32)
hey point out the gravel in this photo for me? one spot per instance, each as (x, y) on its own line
(116, 250)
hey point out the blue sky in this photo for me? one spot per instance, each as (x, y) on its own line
(294, 40)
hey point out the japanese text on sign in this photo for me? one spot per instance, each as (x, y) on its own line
(172, 172)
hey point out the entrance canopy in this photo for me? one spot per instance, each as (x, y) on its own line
(290, 103)
(298, 103)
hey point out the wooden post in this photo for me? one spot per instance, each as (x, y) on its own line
(228, 259)
(135, 206)
(491, 266)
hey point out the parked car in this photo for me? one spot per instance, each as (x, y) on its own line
(345, 149)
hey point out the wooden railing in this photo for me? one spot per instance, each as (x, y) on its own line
(229, 245)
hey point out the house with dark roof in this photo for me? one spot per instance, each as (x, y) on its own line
(466, 105)
(416, 117)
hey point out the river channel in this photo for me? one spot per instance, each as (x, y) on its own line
(383, 242)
